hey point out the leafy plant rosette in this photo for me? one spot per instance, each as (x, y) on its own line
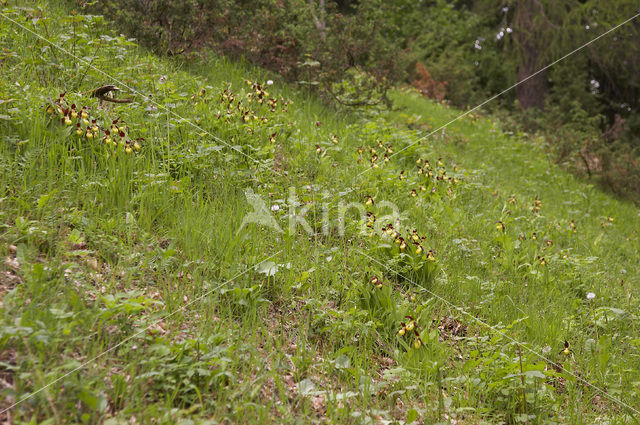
(380, 299)
(407, 257)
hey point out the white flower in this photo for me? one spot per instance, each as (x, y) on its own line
(269, 82)
(275, 207)
(591, 296)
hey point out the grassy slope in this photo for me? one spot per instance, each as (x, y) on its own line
(106, 246)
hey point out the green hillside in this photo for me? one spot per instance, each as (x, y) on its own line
(226, 249)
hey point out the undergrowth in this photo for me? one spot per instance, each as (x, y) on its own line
(461, 279)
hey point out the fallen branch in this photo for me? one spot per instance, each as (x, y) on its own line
(105, 93)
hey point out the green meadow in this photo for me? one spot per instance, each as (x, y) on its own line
(227, 249)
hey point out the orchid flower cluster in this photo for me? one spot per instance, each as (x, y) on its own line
(256, 108)
(86, 127)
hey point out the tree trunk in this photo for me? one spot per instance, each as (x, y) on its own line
(531, 93)
(319, 19)
(527, 36)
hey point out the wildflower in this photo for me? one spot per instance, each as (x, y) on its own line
(534, 236)
(417, 343)
(389, 229)
(369, 201)
(440, 163)
(375, 281)
(415, 236)
(419, 161)
(549, 242)
(318, 149)
(512, 199)
(389, 150)
(418, 248)
(591, 295)
(403, 245)
(359, 150)
(412, 297)
(136, 145)
(422, 188)
(566, 351)
(411, 325)
(401, 176)
(380, 145)
(402, 331)
(543, 262)
(414, 193)
(371, 219)
(88, 134)
(79, 130)
(420, 171)
(386, 158)
(610, 219)
(431, 255)
(500, 226)
(272, 138)
(67, 121)
(49, 110)
(537, 204)
(334, 138)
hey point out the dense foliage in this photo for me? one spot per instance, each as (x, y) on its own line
(459, 279)
(464, 51)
